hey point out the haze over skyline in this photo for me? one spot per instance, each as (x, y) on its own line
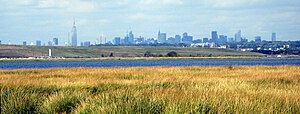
(31, 20)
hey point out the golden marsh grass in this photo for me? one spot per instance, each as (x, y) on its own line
(217, 89)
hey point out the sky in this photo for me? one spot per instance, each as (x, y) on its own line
(31, 20)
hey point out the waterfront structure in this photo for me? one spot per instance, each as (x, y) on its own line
(204, 45)
(74, 35)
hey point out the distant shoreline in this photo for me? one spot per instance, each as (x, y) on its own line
(139, 58)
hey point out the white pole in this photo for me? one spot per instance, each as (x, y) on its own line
(50, 53)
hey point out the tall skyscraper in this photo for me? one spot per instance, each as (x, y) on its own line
(55, 41)
(238, 36)
(74, 35)
(214, 36)
(273, 36)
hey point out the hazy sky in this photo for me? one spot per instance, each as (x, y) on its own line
(31, 20)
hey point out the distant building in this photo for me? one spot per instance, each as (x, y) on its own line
(0, 42)
(197, 41)
(257, 39)
(50, 43)
(74, 35)
(87, 43)
(230, 40)
(38, 43)
(126, 39)
(273, 37)
(171, 40)
(244, 39)
(177, 39)
(223, 39)
(131, 38)
(204, 45)
(186, 38)
(162, 37)
(117, 41)
(205, 40)
(140, 40)
(81, 43)
(55, 41)
(24, 43)
(238, 36)
(214, 36)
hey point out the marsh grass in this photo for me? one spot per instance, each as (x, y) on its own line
(224, 89)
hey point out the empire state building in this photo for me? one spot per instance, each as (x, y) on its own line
(74, 35)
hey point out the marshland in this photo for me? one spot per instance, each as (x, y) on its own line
(193, 89)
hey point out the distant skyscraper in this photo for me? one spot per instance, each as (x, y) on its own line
(55, 41)
(238, 36)
(186, 38)
(38, 43)
(162, 37)
(273, 36)
(171, 40)
(257, 39)
(131, 38)
(74, 35)
(177, 39)
(117, 41)
(223, 39)
(214, 36)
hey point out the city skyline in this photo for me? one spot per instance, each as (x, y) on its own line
(31, 20)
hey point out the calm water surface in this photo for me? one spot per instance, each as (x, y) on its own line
(136, 63)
